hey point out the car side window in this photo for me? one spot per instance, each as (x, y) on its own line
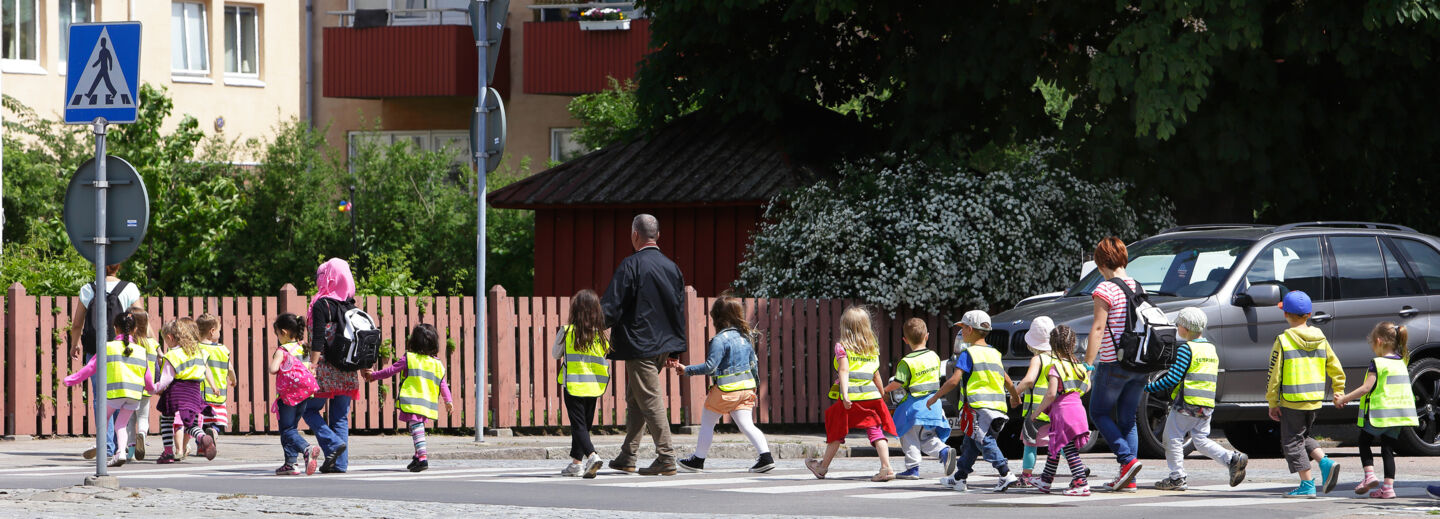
(1425, 261)
(1359, 265)
(1293, 264)
(1395, 278)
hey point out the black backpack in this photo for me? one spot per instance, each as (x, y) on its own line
(1148, 343)
(354, 344)
(112, 309)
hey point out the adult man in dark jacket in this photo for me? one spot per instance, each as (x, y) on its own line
(645, 310)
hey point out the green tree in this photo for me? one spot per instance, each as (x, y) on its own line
(1237, 110)
(606, 117)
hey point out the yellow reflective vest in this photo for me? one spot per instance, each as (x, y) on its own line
(1198, 388)
(862, 377)
(1037, 392)
(1391, 403)
(585, 374)
(218, 362)
(124, 374)
(924, 368)
(420, 392)
(1302, 373)
(187, 367)
(985, 386)
(152, 357)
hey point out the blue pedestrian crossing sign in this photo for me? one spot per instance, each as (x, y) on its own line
(103, 72)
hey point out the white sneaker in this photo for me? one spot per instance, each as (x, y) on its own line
(947, 481)
(571, 469)
(592, 464)
(960, 486)
(1004, 483)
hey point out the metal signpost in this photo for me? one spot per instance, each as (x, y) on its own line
(101, 88)
(487, 142)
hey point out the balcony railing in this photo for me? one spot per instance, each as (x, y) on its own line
(408, 52)
(427, 16)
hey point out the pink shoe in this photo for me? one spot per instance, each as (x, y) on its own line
(1383, 493)
(1081, 490)
(1043, 486)
(312, 459)
(206, 446)
(1367, 484)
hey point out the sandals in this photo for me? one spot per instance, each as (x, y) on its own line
(882, 477)
(815, 468)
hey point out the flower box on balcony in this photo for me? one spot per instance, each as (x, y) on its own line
(604, 25)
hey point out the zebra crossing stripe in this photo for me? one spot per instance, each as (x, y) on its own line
(797, 489)
(909, 494)
(736, 478)
(1231, 502)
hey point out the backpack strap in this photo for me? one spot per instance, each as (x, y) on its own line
(119, 288)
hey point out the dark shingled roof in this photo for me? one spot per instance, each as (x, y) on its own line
(698, 159)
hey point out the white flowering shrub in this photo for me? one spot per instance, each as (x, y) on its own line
(902, 234)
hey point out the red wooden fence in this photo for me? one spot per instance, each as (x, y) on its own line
(794, 358)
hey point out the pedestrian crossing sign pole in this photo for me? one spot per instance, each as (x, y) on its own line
(101, 87)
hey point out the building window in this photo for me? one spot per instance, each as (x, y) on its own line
(242, 41)
(420, 12)
(189, 50)
(454, 143)
(21, 34)
(72, 11)
(563, 145)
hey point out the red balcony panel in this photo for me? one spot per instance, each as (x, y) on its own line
(404, 61)
(562, 59)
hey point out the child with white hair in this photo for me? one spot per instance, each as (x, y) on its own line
(1191, 382)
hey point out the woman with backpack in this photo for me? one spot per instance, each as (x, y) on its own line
(1118, 391)
(335, 289)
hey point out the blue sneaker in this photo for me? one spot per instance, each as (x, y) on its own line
(1329, 475)
(947, 460)
(1306, 490)
(911, 473)
(1434, 491)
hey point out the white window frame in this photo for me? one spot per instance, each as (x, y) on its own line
(185, 43)
(64, 58)
(555, 152)
(240, 40)
(22, 65)
(425, 140)
(429, 18)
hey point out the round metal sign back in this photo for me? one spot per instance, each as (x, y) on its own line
(127, 211)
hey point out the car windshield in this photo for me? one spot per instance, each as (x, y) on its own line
(1181, 267)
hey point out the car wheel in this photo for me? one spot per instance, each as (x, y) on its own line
(1256, 439)
(1150, 421)
(1424, 439)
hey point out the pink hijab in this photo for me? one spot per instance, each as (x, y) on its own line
(332, 281)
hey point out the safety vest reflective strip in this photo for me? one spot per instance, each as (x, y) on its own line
(152, 355)
(736, 381)
(420, 392)
(862, 377)
(985, 388)
(1302, 372)
(219, 365)
(1036, 394)
(1071, 380)
(585, 375)
(1199, 385)
(924, 373)
(124, 375)
(186, 367)
(1392, 402)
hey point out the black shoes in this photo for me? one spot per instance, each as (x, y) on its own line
(418, 465)
(328, 467)
(763, 465)
(692, 464)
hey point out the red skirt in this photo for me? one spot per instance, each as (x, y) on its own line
(863, 414)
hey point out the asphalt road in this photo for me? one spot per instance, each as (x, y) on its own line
(728, 490)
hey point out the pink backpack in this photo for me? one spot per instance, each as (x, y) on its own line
(294, 382)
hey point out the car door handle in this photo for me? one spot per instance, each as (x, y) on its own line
(1408, 312)
(1321, 317)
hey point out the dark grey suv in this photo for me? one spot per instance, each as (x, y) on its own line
(1357, 273)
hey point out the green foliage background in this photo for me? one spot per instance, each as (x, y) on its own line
(220, 228)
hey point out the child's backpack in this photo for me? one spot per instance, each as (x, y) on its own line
(1148, 343)
(357, 346)
(112, 309)
(295, 383)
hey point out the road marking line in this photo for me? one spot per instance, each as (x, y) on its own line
(797, 489)
(406, 476)
(909, 494)
(1233, 501)
(121, 471)
(731, 478)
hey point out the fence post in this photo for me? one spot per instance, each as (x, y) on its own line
(291, 302)
(20, 325)
(500, 312)
(692, 389)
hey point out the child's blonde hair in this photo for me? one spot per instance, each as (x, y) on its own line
(184, 334)
(1394, 335)
(856, 335)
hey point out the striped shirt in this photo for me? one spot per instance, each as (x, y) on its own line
(1113, 296)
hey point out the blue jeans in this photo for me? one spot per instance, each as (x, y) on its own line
(972, 449)
(339, 418)
(1113, 406)
(109, 415)
(291, 440)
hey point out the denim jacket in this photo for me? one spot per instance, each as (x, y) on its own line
(728, 353)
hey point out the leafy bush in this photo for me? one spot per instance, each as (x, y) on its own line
(606, 117)
(904, 234)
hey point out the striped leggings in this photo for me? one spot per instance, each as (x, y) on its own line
(1078, 472)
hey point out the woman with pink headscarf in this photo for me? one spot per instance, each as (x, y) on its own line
(335, 287)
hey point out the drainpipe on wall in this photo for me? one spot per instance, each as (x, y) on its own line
(310, 62)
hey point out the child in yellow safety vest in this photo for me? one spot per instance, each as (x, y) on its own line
(1066, 382)
(1387, 405)
(127, 377)
(421, 391)
(985, 411)
(221, 369)
(581, 347)
(1299, 363)
(923, 430)
(140, 421)
(1191, 384)
(730, 360)
(856, 392)
(182, 378)
(1035, 432)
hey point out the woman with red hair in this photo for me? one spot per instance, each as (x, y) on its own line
(1117, 391)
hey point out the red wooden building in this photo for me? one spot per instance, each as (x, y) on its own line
(705, 179)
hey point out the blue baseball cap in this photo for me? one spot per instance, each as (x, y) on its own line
(1296, 302)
